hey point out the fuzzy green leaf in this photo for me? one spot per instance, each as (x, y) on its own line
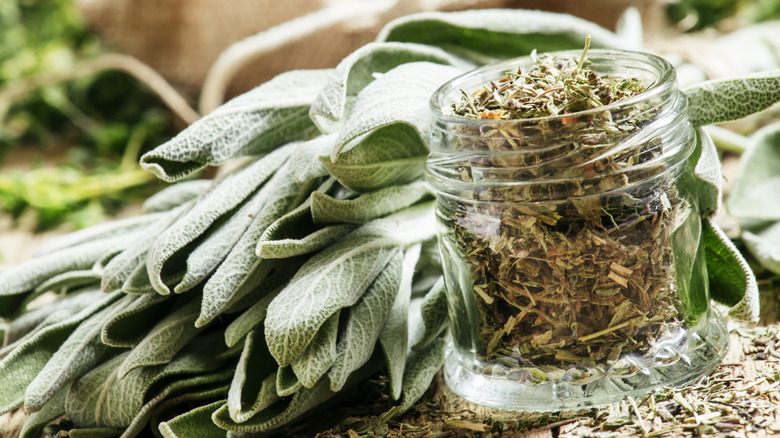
(53, 409)
(194, 423)
(724, 100)
(755, 194)
(326, 209)
(254, 315)
(394, 338)
(764, 244)
(258, 121)
(307, 157)
(364, 324)
(319, 355)
(490, 34)
(68, 281)
(221, 199)
(129, 326)
(360, 68)
(434, 315)
(420, 373)
(254, 382)
(286, 248)
(176, 195)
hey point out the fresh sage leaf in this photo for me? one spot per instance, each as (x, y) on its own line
(23, 363)
(326, 209)
(68, 281)
(364, 324)
(195, 423)
(492, 34)
(754, 192)
(55, 408)
(256, 122)
(181, 403)
(166, 339)
(254, 382)
(80, 352)
(360, 68)
(242, 269)
(286, 248)
(95, 432)
(319, 355)
(27, 276)
(254, 315)
(331, 280)
(400, 96)
(307, 157)
(419, 374)
(394, 338)
(222, 198)
(724, 100)
(434, 315)
(287, 382)
(732, 282)
(176, 194)
(764, 244)
(129, 326)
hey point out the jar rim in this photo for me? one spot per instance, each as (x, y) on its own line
(666, 79)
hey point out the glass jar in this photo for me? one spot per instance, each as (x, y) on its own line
(571, 247)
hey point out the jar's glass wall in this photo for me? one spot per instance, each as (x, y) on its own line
(571, 247)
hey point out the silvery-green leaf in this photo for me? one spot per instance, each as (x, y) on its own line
(142, 416)
(307, 157)
(24, 362)
(139, 282)
(181, 402)
(420, 373)
(319, 355)
(100, 231)
(704, 183)
(723, 100)
(278, 414)
(129, 326)
(166, 339)
(258, 121)
(116, 272)
(242, 269)
(400, 96)
(764, 244)
(55, 408)
(224, 196)
(754, 193)
(67, 281)
(287, 382)
(254, 381)
(254, 315)
(359, 69)
(364, 324)
(394, 338)
(219, 240)
(389, 156)
(286, 248)
(434, 315)
(27, 276)
(331, 280)
(176, 195)
(80, 352)
(732, 282)
(194, 423)
(327, 210)
(498, 33)
(50, 313)
(101, 399)
(95, 432)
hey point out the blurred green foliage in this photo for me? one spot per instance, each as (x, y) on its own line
(692, 15)
(102, 121)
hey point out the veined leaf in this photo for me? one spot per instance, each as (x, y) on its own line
(331, 280)
(128, 327)
(307, 157)
(724, 100)
(77, 355)
(287, 248)
(326, 209)
(254, 315)
(180, 403)
(434, 315)
(419, 375)
(364, 324)
(490, 34)
(394, 338)
(764, 244)
(287, 382)
(319, 355)
(162, 343)
(176, 195)
(196, 422)
(62, 283)
(360, 68)
(256, 122)
(754, 193)
(242, 270)
(25, 361)
(254, 382)
(222, 198)
(33, 426)
(400, 96)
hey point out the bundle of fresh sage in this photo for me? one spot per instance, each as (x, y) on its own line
(235, 306)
